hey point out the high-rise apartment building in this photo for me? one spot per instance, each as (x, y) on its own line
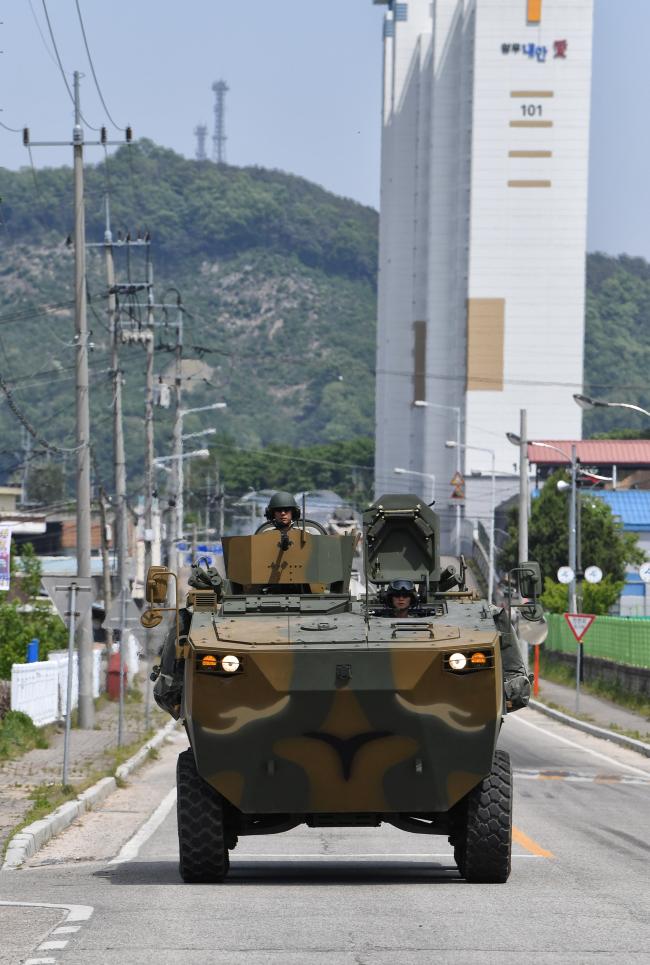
(483, 231)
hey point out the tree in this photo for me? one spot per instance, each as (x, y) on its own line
(604, 542)
(21, 621)
(46, 483)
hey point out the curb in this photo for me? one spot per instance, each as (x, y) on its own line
(641, 747)
(28, 841)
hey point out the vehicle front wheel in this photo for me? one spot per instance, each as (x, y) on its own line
(481, 826)
(202, 840)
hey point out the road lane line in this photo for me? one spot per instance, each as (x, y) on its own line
(585, 750)
(132, 847)
(40, 961)
(50, 946)
(530, 845)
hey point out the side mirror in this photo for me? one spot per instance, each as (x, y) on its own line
(532, 613)
(151, 619)
(157, 584)
(530, 580)
(532, 626)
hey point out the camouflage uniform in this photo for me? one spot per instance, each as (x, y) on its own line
(515, 677)
(168, 687)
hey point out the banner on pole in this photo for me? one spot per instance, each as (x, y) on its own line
(579, 623)
(5, 557)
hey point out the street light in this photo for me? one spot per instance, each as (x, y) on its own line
(585, 402)
(573, 505)
(450, 444)
(425, 475)
(422, 404)
(176, 529)
(521, 441)
(196, 435)
(195, 454)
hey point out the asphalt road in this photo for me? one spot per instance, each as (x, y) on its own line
(578, 890)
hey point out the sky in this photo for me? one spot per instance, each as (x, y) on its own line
(305, 89)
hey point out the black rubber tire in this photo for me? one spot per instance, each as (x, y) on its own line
(201, 828)
(481, 827)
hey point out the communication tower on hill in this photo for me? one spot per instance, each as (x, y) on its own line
(201, 134)
(220, 88)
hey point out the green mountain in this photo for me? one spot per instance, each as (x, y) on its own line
(617, 342)
(278, 282)
(277, 278)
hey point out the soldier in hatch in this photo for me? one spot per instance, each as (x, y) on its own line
(282, 511)
(401, 597)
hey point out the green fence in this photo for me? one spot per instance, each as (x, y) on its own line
(623, 640)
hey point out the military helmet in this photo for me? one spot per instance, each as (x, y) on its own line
(401, 588)
(282, 501)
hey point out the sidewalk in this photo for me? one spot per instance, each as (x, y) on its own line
(596, 710)
(91, 753)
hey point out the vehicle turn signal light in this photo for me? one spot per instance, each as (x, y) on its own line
(209, 661)
(478, 658)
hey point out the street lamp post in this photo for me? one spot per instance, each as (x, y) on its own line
(177, 459)
(452, 445)
(421, 403)
(521, 441)
(425, 475)
(585, 402)
(178, 480)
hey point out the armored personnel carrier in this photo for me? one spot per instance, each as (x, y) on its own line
(305, 706)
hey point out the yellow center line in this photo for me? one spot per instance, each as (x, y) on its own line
(530, 845)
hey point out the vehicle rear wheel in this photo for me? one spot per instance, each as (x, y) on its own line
(202, 840)
(481, 827)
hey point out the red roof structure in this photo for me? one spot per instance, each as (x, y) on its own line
(592, 452)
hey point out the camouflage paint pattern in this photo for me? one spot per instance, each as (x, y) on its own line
(333, 716)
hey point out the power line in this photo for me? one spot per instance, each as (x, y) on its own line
(56, 51)
(38, 27)
(22, 418)
(58, 59)
(92, 67)
(13, 130)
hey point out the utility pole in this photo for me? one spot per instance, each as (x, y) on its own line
(83, 631)
(119, 458)
(148, 424)
(523, 486)
(572, 528)
(175, 526)
(106, 567)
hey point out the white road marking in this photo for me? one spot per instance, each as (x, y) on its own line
(132, 847)
(586, 750)
(573, 777)
(75, 912)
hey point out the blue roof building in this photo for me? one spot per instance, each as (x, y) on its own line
(632, 507)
